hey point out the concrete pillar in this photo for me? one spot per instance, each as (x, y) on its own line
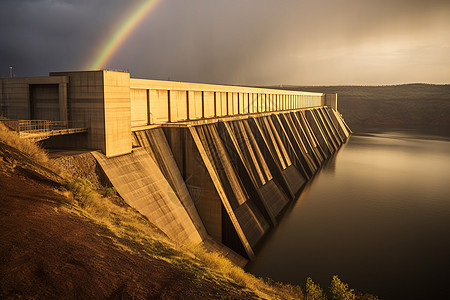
(149, 114)
(63, 116)
(331, 101)
(29, 110)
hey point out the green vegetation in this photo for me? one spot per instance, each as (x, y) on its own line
(128, 226)
(340, 290)
(314, 291)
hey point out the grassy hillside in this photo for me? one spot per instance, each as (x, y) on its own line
(409, 105)
(66, 237)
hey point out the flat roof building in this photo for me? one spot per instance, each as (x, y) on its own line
(111, 105)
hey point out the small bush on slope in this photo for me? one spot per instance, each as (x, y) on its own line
(314, 291)
(340, 290)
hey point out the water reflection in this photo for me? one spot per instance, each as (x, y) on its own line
(330, 166)
(378, 215)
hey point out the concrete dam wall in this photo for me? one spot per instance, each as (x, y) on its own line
(224, 182)
(211, 164)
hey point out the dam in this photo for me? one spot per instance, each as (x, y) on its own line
(211, 164)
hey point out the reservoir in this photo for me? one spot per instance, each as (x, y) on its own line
(377, 215)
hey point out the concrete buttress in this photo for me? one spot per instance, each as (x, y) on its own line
(225, 182)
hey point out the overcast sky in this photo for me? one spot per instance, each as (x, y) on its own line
(253, 42)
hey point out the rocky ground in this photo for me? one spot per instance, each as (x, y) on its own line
(81, 164)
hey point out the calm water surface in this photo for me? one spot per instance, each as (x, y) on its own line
(377, 215)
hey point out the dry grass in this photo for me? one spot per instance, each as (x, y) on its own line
(128, 225)
(265, 289)
(28, 148)
(123, 221)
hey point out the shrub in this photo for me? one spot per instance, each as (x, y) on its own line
(314, 291)
(88, 199)
(340, 290)
(109, 191)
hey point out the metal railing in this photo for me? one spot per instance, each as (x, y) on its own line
(43, 129)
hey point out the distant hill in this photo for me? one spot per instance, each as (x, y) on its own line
(409, 105)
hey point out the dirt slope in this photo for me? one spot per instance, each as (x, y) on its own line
(47, 251)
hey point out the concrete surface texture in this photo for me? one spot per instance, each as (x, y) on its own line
(34, 98)
(139, 181)
(205, 163)
(226, 182)
(167, 101)
(155, 143)
(111, 104)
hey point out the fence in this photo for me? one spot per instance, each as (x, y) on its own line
(43, 129)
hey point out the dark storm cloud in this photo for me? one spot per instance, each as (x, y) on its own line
(243, 42)
(46, 35)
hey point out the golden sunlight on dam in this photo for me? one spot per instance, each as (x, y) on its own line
(210, 164)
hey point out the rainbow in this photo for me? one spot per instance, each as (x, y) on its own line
(119, 35)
